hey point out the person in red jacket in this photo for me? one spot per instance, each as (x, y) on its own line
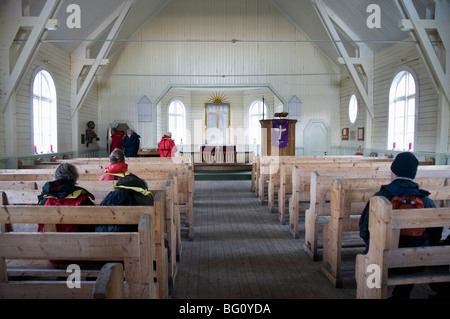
(63, 191)
(116, 139)
(118, 168)
(167, 147)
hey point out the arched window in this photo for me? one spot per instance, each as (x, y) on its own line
(177, 121)
(353, 109)
(402, 112)
(256, 112)
(45, 133)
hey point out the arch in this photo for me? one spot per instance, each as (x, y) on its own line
(176, 120)
(256, 111)
(44, 113)
(403, 107)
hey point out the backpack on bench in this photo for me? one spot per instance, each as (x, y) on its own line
(409, 202)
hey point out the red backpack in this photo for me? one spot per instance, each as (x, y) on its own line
(408, 202)
(65, 228)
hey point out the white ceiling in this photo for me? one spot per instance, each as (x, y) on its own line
(348, 15)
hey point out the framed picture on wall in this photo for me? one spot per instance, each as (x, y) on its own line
(345, 134)
(360, 133)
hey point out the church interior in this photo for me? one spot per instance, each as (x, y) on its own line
(240, 85)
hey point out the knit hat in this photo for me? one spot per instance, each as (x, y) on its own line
(405, 165)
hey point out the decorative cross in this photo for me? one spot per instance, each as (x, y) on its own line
(280, 130)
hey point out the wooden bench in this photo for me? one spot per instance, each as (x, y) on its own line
(183, 186)
(135, 250)
(305, 188)
(346, 205)
(275, 169)
(384, 254)
(39, 163)
(100, 189)
(283, 181)
(319, 207)
(109, 284)
(107, 212)
(313, 193)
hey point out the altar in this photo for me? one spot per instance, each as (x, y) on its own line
(218, 153)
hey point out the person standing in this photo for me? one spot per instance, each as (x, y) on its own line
(167, 147)
(131, 143)
(116, 139)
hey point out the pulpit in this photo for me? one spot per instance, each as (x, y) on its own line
(278, 137)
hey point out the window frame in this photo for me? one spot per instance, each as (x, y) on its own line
(393, 98)
(175, 131)
(251, 132)
(354, 97)
(53, 100)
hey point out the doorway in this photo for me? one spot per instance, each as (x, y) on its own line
(316, 138)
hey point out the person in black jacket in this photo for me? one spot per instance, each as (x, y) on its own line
(403, 172)
(131, 143)
(63, 191)
(128, 191)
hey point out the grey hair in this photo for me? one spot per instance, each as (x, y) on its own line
(117, 156)
(130, 131)
(67, 171)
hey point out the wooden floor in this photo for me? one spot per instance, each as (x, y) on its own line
(241, 251)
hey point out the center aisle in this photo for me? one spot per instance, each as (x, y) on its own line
(241, 251)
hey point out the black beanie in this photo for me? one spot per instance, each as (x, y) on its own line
(405, 165)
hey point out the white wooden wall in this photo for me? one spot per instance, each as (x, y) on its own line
(387, 64)
(155, 69)
(191, 64)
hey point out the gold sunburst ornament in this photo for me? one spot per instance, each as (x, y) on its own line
(218, 97)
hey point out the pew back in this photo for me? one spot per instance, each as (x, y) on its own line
(384, 226)
(135, 250)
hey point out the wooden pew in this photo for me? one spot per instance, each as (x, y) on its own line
(284, 179)
(38, 163)
(347, 204)
(272, 168)
(301, 190)
(18, 185)
(316, 200)
(109, 284)
(384, 254)
(100, 215)
(319, 207)
(100, 189)
(183, 179)
(136, 250)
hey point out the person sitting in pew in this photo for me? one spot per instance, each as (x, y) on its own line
(117, 167)
(128, 191)
(63, 191)
(403, 172)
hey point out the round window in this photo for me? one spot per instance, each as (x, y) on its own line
(353, 109)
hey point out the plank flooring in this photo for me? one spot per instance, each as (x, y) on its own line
(241, 251)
